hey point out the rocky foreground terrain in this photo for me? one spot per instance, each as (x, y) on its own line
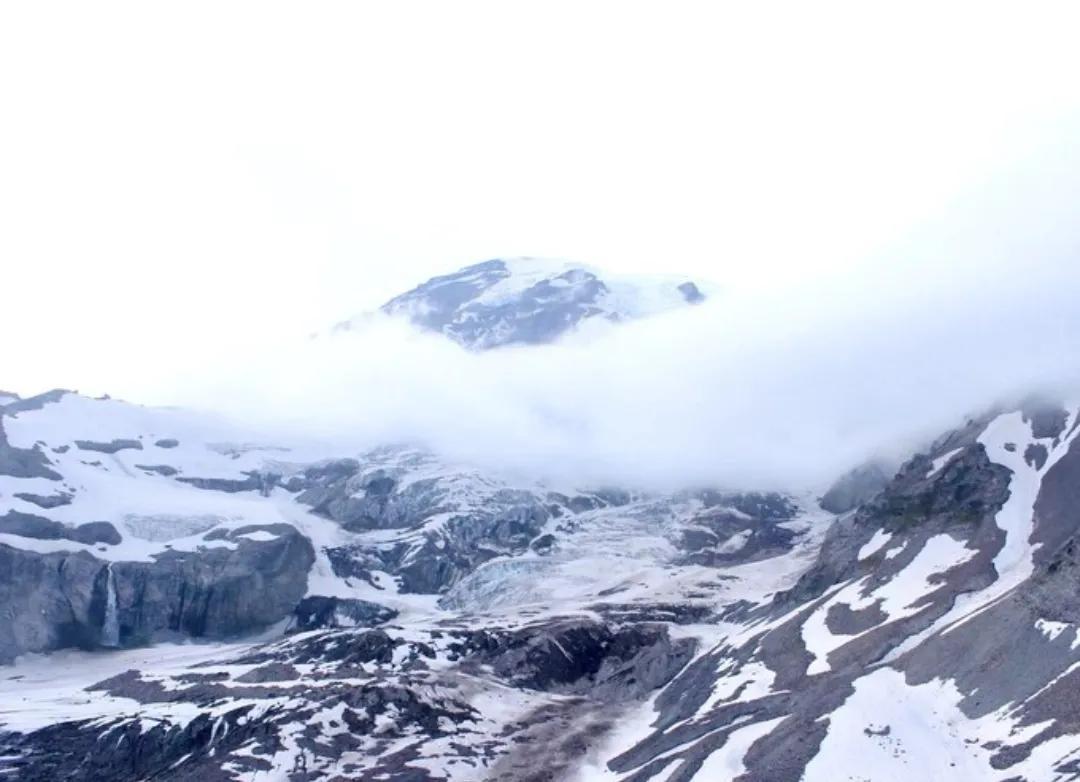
(180, 600)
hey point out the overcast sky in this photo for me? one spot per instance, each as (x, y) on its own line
(182, 184)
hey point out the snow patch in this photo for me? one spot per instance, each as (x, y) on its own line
(727, 762)
(1006, 439)
(897, 598)
(875, 544)
(941, 462)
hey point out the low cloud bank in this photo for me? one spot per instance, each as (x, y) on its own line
(768, 385)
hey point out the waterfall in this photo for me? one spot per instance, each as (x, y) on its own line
(110, 628)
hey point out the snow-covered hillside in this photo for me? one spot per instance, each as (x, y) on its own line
(532, 301)
(130, 526)
(248, 610)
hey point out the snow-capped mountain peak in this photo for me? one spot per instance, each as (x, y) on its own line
(532, 301)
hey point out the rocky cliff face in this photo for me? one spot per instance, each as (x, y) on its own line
(60, 599)
(443, 521)
(99, 550)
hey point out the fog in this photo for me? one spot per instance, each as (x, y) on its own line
(774, 384)
(886, 204)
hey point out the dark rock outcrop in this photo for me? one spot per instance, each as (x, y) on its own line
(36, 402)
(581, 656)
(316, 612)
(160, 469)
(691, 293)
(48, 601)
(28, 525)
(962, 499)
(426, 559)
(113, 446)
(263, 483)
(51, 601)
(24, 462)
(856, 487)
(46, 501)
(539, 310)
(216, 592)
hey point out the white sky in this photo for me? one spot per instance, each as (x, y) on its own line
(181, 181)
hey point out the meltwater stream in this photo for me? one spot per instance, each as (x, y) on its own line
(110, 628)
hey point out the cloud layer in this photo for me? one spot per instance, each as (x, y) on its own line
(184, 189)
(767, 385)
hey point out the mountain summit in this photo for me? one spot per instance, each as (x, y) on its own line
(532, 301)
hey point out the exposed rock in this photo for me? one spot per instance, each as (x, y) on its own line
(718, 537)
(271, 672)
(50, 601)
(529, 301)
(34, 402)
(346, 648)
(543, 544)
(23, 462)
(263, 483)
(582, 656)
(28, 525)
(1048, 418)
(856, 487)
(474, 519)
(963, 498)
(768, 506)
(1057, 507)
(691, 293)
(216, 592)
(113, 446)
(1036, 455)
(331, 612)
(673, 613)
(46, 501)
(94, 532)
(160, 469)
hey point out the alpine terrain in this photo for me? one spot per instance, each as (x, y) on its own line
(183, 599)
